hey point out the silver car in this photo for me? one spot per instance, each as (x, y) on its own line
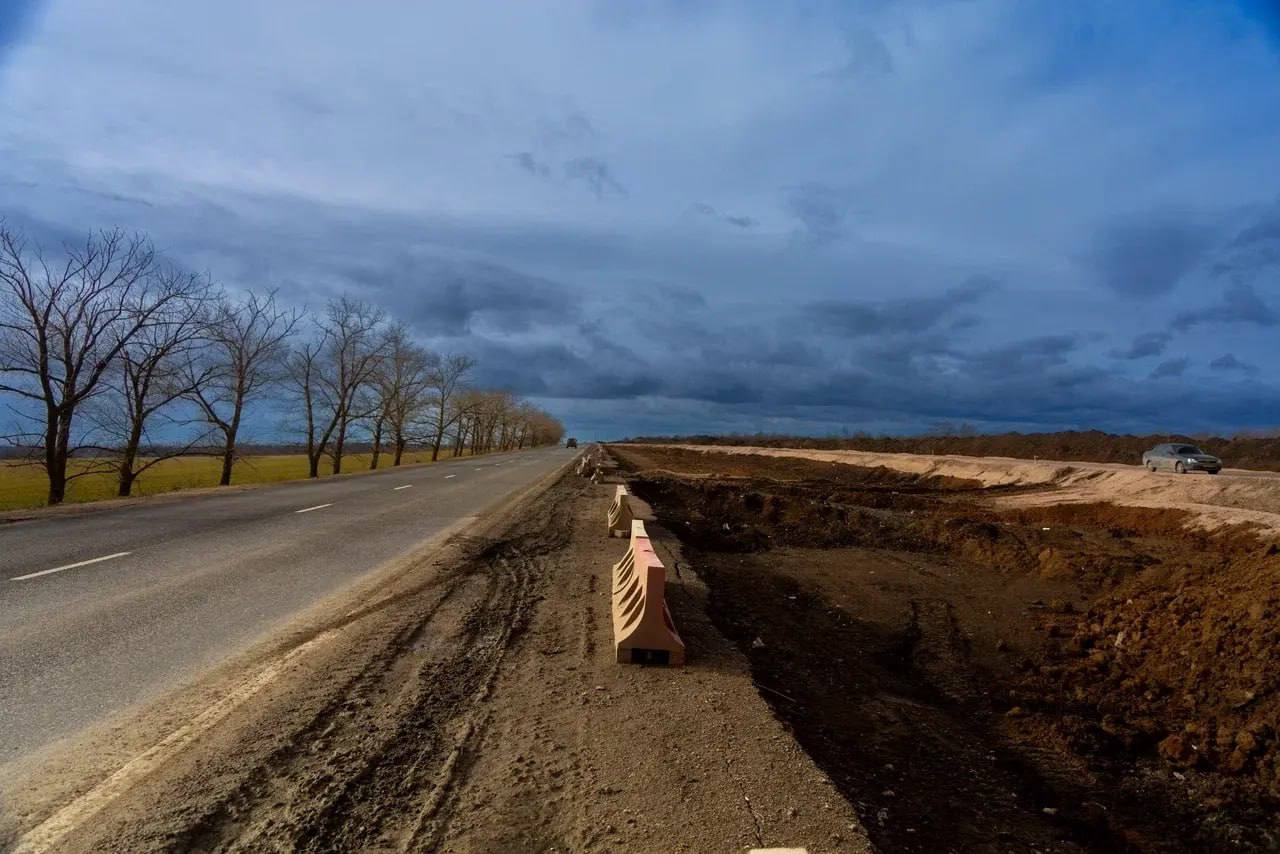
(1181, 458)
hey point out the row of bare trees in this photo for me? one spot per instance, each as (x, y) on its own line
(114, 359)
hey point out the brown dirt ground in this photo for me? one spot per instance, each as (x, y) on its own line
(1232, 498)
(469, 702)
(976, 677)
(1249, 452)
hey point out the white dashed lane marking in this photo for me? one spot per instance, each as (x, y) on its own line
(69, 566)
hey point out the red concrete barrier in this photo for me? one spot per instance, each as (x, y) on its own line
(643, 632)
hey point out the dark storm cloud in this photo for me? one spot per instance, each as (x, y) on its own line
(572, 127)
(595, 174)
(748, 352)
(1264, 230)
(1239, 304)
(555, 369)
(674, 296)
(1144, 345)
(526, 161)
(1031, 356)
(1171, 368)
(1228, 362)
(1255, 250)
(914, 314)
(867, 56)
(1149, 258)
(821, 210)
(451, 298)
(704, 209)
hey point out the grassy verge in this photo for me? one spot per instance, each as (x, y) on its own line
(24, 486)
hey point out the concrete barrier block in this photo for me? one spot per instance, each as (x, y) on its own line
(643, 632)
(619, 517)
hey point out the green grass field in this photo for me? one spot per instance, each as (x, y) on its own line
(23, 486)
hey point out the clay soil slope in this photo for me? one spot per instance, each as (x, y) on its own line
(1234, 497)
(1260, 452)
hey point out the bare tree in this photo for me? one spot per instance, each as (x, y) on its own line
(402, 392)
(63, 324)
(447, 381)
(247, 342)
(331, 375)
(467, 407)
(150, 375)
(304, 368)
(489, 420)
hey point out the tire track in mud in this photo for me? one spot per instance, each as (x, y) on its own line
(424, 731)
(376, 764)
(293, 779)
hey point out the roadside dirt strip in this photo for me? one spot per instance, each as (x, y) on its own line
(467, 701)
(1236, 496)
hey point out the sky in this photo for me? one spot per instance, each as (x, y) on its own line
(890, 216)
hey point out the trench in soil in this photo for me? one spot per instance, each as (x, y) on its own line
(1063, 678)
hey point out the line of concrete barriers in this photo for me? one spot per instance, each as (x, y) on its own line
(643, 632)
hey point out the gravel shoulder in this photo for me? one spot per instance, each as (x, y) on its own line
(466, 701)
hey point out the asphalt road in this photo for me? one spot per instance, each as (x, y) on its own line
(102, 610)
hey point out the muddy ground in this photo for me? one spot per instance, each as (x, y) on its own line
(1080, 677)
(467, 702)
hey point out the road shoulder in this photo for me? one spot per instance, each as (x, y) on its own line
(581, 753)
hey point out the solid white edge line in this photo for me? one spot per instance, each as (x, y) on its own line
(69, 566)
(398, 488)
(317, 507)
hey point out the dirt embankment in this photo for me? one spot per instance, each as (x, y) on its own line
(1231, 498)
(470, 703)
(976, 676)
(1246, 452)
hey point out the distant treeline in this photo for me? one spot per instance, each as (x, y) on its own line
(1242, 451)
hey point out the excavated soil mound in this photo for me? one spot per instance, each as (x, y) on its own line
(1251, 452)
(1055, 677)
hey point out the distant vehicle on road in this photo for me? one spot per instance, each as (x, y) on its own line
(1180, 458)
(571, 443)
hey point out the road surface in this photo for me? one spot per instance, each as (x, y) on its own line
(102, 610)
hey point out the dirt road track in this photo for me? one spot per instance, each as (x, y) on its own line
(1236, 496)
(470, 703)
